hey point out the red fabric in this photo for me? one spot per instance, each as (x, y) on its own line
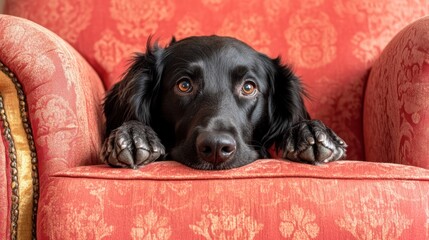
(268, 199)
(62, 91)
(331, 44)
(264, 168)
(397, 102)
(63, 95)
(328, 42)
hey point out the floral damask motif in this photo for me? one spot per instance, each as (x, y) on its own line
(215, 5)
(174, 196)
(80, 219)
(374, 218)
(306, 192)
(311, 3)
(109, 51)
(248, 29)
(42, 66)
(57, 124)
(188, 26)
(139, 19)
(85, 218)
(312, 38)
(337, 106)
(86, 224)
(398, 77)
(151, 227)
(383, 20)
(276, 8)
(226, 224)
(298, 224)
(75, 14)
(182, 189)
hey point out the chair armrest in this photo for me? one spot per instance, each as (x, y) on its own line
(396, 105)
(50, 118)
(53, 94)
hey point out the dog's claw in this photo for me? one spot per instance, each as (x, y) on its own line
(319, 144)
(131, 145)
(125, 157)
(321, 137)
(310, 140)
(307, 155)
(123, 143)
(324, 154)
(141, 156)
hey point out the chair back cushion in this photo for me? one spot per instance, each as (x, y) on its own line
(330, 43)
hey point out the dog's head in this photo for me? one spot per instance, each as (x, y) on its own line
(215, 102)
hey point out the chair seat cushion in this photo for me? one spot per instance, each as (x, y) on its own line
(268, 199)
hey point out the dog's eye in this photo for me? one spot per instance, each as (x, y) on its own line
(184, 85)
(248, 88)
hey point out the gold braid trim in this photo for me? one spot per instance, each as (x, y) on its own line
(22, 155)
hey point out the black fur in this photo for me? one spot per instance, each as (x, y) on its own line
(216, 123)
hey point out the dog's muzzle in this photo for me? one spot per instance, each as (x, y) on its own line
(215, 147)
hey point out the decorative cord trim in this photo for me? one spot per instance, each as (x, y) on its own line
(13, 156)
(14, 171)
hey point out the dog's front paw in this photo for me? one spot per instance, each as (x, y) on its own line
(312, 142)
(131, 145)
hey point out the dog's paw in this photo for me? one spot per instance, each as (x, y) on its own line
(312, 142)
(131, 145)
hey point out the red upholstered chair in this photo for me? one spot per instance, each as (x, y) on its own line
(365, 64)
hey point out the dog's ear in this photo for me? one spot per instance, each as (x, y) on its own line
(285, 102)
(132, 98)
(172, 41)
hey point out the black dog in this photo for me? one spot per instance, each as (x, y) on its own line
(211, 103)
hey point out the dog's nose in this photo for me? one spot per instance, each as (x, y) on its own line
(215, 147)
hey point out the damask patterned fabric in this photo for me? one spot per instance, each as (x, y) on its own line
(332, 44)
(268, 199)
(397, 100)
(63, 94)
(328, 42)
